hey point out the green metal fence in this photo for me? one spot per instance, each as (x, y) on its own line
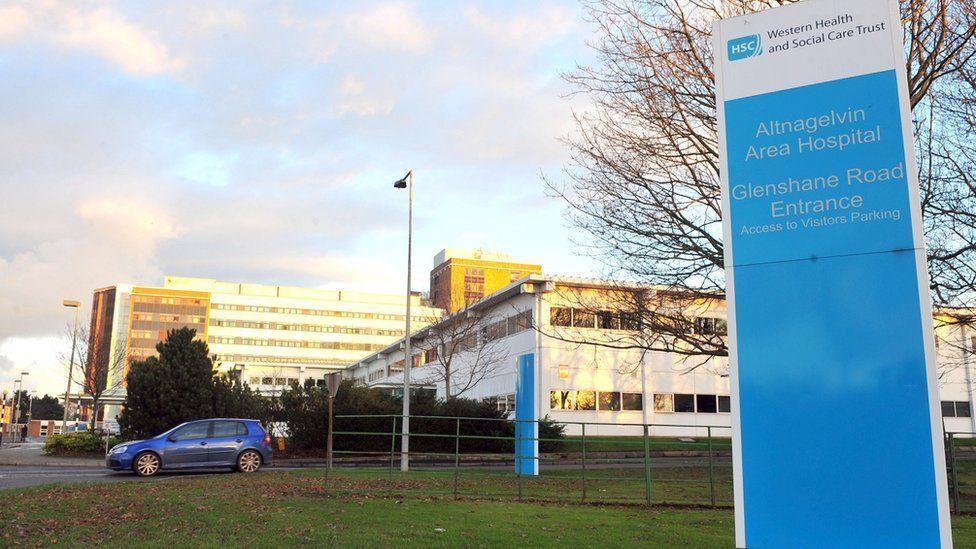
(647, 464)
(961, 471)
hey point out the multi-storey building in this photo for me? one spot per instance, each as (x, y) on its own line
(460, 276)
(582, 366)
(268, 336)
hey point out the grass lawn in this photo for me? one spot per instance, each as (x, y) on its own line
(669, 485)
(288, 508)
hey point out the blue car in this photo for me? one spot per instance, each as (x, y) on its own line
(241, 444)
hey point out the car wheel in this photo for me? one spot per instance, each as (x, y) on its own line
(249, 461)
(146, 464)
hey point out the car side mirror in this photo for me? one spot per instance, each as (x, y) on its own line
(171, 438)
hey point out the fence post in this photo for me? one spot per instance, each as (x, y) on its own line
(952, 474)
(583, 462)
(392, 450)
(518, 453)
(647, 466)
(457, 453)
(711, 474)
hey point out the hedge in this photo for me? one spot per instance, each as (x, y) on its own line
(304, 410)
(77, 444)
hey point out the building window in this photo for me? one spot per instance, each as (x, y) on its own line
(705, 404)
(267, 381)
(632, 401)
(503, 403)
(608, 321)
(560, 316)
(572, 400)
(709, 326)
(684, 403)
(664, 403)
(955, 409)
(583, 319)
(610, 401)
(724, 404)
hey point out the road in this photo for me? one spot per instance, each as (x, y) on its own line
(22, 477)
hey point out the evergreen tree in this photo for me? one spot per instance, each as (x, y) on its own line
(167, 390)
(45, 407)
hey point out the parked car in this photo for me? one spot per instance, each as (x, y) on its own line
(241, 444)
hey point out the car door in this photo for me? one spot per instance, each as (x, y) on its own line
(187, 446)
(225, 440)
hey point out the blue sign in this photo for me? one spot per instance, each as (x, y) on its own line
(526, 426)
(837, 436)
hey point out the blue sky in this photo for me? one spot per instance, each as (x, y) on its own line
(259, 142)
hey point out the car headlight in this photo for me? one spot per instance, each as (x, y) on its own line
(119, 449)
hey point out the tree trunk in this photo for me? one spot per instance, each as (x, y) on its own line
(447, 382)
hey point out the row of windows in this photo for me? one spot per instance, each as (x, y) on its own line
(952, 408)
(144, 307)
(168, 322)
(298, 344)
(609, 320)
(378, 374)
(280, 381)
(602, 320)
(303, 328)
(613, 401)
(271, 359)
(313, 312)
(507, 326)
(687, 403)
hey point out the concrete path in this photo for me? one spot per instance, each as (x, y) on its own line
(31, 454)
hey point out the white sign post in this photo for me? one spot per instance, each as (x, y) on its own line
(837, 436)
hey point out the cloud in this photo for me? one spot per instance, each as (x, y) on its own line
(526, 30)
(389, 27)
(14, 20)
(102, 32)
(259, 141)
(354, 99)
(40, 357)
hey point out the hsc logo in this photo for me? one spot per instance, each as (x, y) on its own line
(747, 46)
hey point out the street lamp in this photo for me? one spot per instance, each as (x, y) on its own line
(17, 394)
(71, 304)
(407, 183)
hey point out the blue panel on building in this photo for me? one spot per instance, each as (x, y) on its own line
(526, 428)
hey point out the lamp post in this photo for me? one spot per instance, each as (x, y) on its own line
(407, 183)
(71, 363)
(17, 397)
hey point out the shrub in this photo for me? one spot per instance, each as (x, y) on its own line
(77, 444)
(304, 410)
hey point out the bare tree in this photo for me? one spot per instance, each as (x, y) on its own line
(463, 349)
(643, 183)
(98, 367)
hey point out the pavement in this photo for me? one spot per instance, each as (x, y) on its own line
(23, 476)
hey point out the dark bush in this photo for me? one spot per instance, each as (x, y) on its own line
(304, 411)
(82, 443)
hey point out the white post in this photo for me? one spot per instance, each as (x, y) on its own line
(646, 404)
(408, 357)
